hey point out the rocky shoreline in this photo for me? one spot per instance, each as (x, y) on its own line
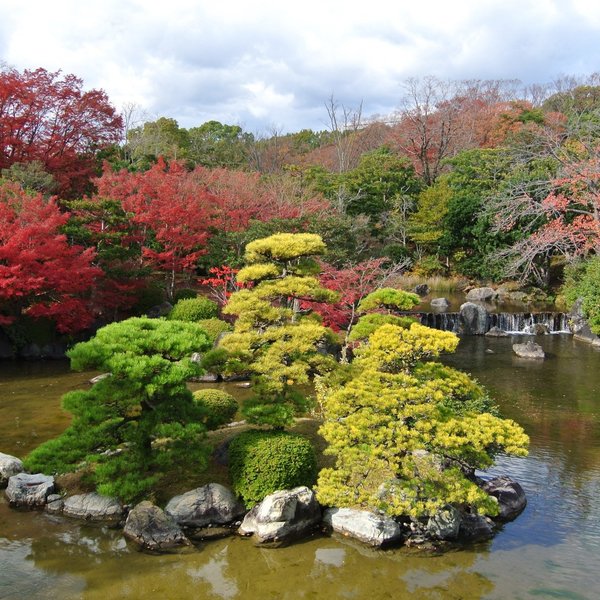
(213, 511)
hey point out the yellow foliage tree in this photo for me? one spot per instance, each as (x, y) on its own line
(273, 337)
(407, 435)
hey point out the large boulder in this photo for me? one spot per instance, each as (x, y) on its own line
(528, 350)
(370, 528)
(282, 516)
(211, 504)
(29, 491)
(9, 466)
(510, 495)
(475, 527)
(473, 319)
(482, 294)
(149, 526)
(93, 507)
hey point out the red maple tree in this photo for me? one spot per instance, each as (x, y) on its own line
(47, 117)
(174, 215)
(40, 274)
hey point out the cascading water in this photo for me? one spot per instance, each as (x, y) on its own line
(518, 322)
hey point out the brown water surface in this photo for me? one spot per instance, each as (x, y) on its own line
(551, 551)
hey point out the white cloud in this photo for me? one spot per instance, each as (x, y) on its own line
(265, 62)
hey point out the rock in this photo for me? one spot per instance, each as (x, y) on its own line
(528, 350)
(481, 294)
(473, 319)
(583, 333)
(98, 378)
(29, 491)
(54, 504)
(9, 466)
(496, 332)
(370, 528)
(236, 377)
(520, 297)
(440, 303)
(510, 495)
(444, 524)
(206, 378)
(149, 526)
(282, 516)
(93, 507)
(160, 310)
(475, 527)
(211, 504)
(421, 290)
(539, 329)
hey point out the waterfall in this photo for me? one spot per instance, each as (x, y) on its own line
(521, 322)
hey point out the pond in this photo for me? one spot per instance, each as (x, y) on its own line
(551, 551)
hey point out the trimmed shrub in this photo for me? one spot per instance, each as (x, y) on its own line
(262, 462)
(219, 405)
(214, 328)
(184, 294)
(194, 309)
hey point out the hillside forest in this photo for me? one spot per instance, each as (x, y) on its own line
(105, 214)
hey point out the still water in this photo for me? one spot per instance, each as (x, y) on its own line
(551, 551)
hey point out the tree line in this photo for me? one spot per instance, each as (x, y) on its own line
(101, 214)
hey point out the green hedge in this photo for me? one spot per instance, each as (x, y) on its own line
(262, 462)
(220, 406)
(194, 309)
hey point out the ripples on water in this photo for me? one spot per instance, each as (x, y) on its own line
(551, 551)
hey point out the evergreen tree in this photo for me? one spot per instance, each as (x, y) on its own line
(139, 422)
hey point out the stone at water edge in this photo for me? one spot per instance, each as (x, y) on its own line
(93, 507)
(482, 293)
(440, 303)
(496, 332)
(211, 504)
(445, 523)
(9, 466)
(29, 491)
(54, 504)
(528, 350)
(282, 516)
(422, 289)
(475, 527)
(510, 495)
(99, 378)
(149, 526)
(370, 528)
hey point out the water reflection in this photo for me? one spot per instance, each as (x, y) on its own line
(551, 550)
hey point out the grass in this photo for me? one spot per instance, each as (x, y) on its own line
(435, 282)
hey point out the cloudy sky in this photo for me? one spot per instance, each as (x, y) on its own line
(264, 64)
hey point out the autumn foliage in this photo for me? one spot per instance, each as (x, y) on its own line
(48, 117)
(40, 274)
